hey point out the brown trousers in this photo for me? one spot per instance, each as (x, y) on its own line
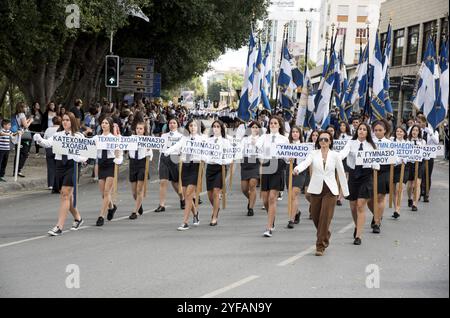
(322, 210)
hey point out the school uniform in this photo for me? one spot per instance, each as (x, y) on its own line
(411, 166)
(360, 181)
(168, 167)
(214, 165)
(65, 164)
(137, 163)
(384, 172)
(250, 165)
(191, 163)
(431, 137)
(299, 180)
(397, 168)
(107, 160)
(345, 137)
(273, 169)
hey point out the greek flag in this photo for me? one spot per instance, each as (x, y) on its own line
(258, 74)
(267, 79)
(386, 67)
(244, 102)
(340, 86)
(377, 104)
(323, 96)
(286, 81)
(424, 95)
(305, 114)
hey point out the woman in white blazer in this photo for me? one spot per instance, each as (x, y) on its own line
(323, 186)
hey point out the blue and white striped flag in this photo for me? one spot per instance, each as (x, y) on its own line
(267, 79)
(258, 74)
(286, 82)
(305, 114)
(377, 104)
(386, 67)
(323, 96)
(244, 102)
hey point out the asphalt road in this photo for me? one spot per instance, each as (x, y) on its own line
(148, 257)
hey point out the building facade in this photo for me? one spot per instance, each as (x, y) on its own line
(412, 23)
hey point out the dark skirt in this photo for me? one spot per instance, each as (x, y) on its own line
(137, 170)
(397, 174)
(189, 173)
(411, 168)
(346, 167)
(105, 168)
(273, 175)
(360, 187)
(64, 176)
(383, 181)
(214, 177)
(297, 181)
(250, 170)
(168, 169)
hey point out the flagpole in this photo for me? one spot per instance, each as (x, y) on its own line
(367, 104)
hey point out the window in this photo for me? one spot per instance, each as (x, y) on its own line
(383, 41)
(413, 45)
(292, 31)
(407, 104)
(444, 32)
(342, 13)
(399, 43)
(357, 55)
(427, 32)
(361, 32)
(362, 13)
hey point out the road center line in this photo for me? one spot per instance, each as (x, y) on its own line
(229, 287)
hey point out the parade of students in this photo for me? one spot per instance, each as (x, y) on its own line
(250, 165)
(65, 175)
(343, 134)
(327, 168)
(380, 130)
(414, 180)
(168, 166)
(107, 159)
(189, 172)
(138, 173)
(273, 169)
(215, 167)
(360, 181)
(298, 181)
(400, 136)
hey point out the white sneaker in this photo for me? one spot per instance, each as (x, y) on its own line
(76, 225)
(196, 221)
(55, 231)
(50, 188)
(280, 196)
(268, 233)
(183, 227)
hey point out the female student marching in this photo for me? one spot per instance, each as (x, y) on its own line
(273, 170)
(298, 181)
(400, 136)
(189, 173)
(415, 136)
(344, 134)
(214, 169)
(65, 174)
(168, 167)
(360, 182)
(250, 166)
(380, 130)
(323, 186)
(137, 175)
(106, 161)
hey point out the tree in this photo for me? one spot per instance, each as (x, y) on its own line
(214, 88)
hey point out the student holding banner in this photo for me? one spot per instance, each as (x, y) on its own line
(216, 169)
(360, 182)
(343, 134)
(399, 185)
(250, 166)
(273, 173)
(298, 181)
(380, 130)
(65, 177)
(139, 160)
(323, 187)
(415, 169)
(190, 171)
(168, 167)
(107, 159)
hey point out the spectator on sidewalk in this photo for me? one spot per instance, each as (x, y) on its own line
(77, 110)
(50, 156)
(22, 123)
(5, 144)
(36, 124)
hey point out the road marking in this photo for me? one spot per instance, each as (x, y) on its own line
(310, 249)
(23, 241)
(229, 287)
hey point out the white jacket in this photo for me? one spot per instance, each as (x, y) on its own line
(327, 174)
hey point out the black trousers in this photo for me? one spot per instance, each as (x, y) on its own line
(430, 172)
(24, 150)
(4, 154)
(51, 166)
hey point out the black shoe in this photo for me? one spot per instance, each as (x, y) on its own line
(160, 209)
(357, 241)
(372, 224)
(133, 216)
(290, 225)
(111, 212)
(182, 204)
(396, 215)
(414, 208)
(354, 233)
(200, 201)
(213, 223)
(376, 229)
(410, 203)
(250, 212)
(297, 217)
(141, 210)
(100, 221)
(426, 199)
(339, 203)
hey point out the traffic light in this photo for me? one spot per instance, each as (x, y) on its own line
(112, 71)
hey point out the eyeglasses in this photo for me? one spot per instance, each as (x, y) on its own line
(324, 140)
